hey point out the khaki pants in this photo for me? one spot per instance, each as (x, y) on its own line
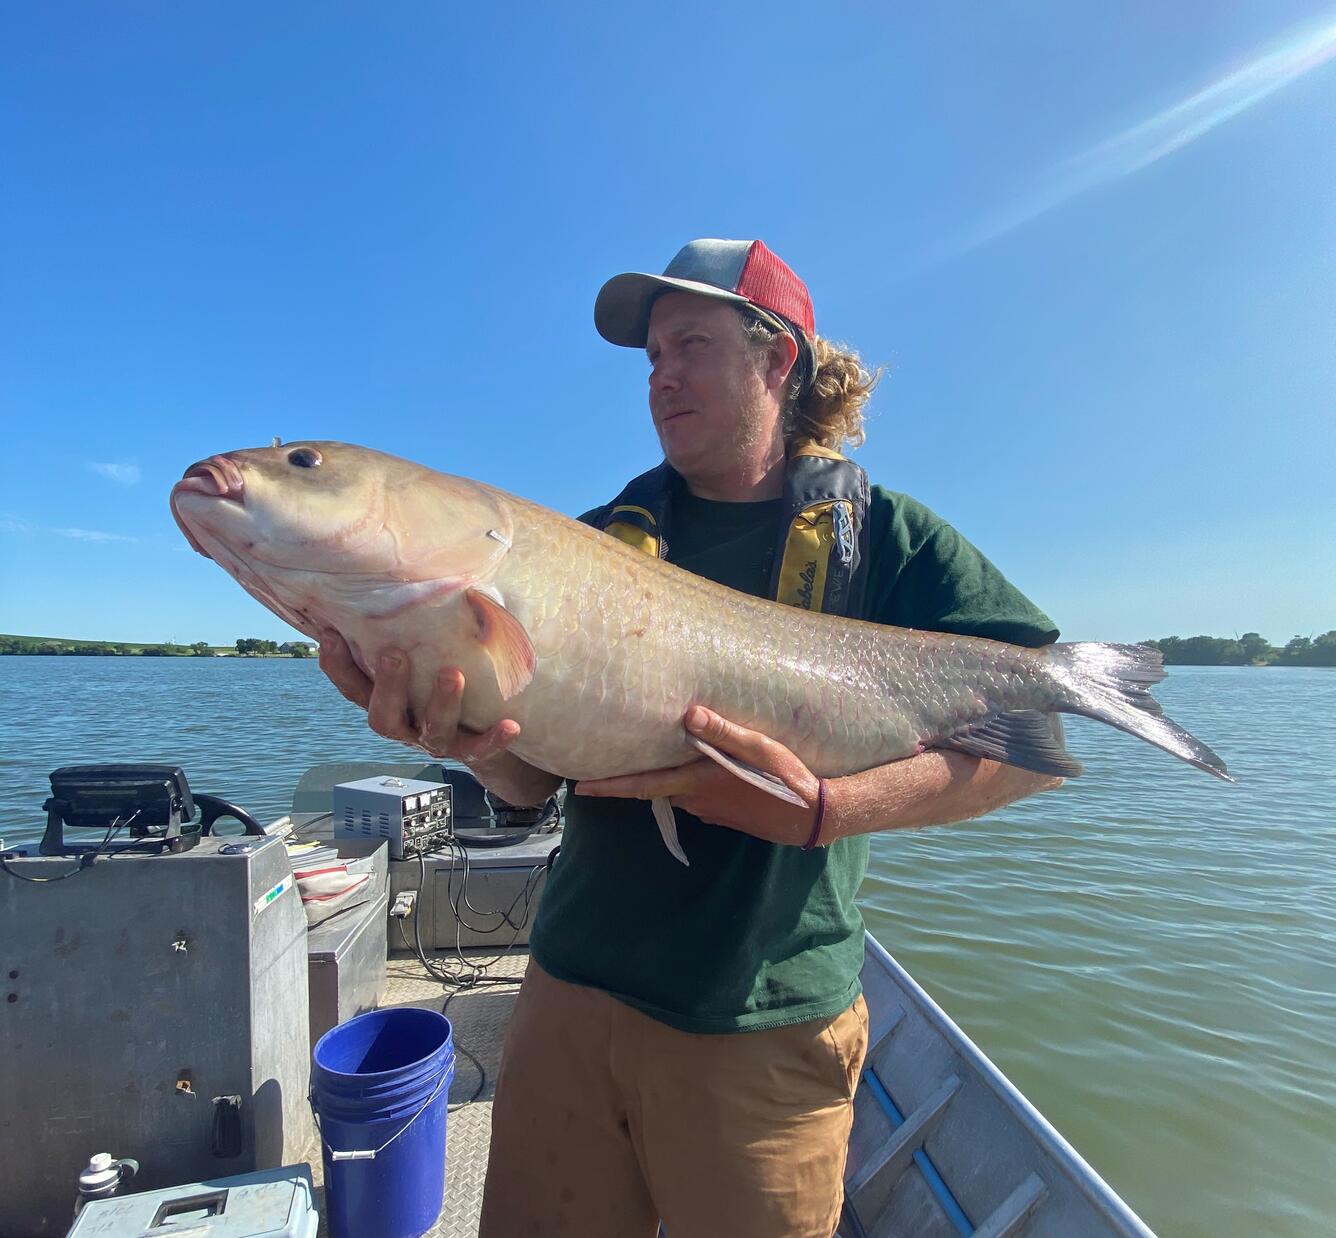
(606, 1120)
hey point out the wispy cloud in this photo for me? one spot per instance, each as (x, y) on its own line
(125, 473)
(12, 524)
(1298, 52)
(93, 535)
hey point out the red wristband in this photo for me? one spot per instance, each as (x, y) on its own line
(820, 815)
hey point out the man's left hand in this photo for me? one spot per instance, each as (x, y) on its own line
(709, 791)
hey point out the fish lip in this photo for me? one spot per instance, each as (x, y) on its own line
(216, 476)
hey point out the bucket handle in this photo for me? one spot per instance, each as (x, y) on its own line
(370, 1154)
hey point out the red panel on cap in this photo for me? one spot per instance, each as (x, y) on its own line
(769, 282)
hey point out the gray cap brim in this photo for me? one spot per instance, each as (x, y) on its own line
(622, 308)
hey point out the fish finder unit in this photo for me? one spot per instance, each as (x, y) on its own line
(410, 814)
(151, 804)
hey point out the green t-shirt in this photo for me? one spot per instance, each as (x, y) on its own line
(752, 934)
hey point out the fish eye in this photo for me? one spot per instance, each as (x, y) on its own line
(304, 457)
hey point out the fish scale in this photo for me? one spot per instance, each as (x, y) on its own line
(842, 694)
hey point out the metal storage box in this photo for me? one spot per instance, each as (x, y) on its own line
(157, 1009)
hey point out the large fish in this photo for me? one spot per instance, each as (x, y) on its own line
(597, 650)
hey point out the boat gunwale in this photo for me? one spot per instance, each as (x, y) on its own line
(1093, 1188)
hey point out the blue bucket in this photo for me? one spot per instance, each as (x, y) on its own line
(379, 1084)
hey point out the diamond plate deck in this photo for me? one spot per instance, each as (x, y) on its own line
(478, 1017)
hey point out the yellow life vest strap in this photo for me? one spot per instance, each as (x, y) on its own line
(814, 536)
(635, 526)
(822, 561)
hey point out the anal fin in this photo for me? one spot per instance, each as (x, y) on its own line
(1025, 738)
(663, 814)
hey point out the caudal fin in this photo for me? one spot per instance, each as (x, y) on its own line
(1112, 684)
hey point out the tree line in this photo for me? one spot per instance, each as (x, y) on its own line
(245, 646)
(1250, 649)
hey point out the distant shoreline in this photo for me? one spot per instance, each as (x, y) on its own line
(65, 647)
(1248, 650)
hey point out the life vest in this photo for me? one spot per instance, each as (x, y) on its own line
(821, 558)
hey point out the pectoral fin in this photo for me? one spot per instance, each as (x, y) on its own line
(506, 642)
(663, 814)
(749, 773)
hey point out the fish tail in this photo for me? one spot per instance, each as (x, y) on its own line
(1112, 683)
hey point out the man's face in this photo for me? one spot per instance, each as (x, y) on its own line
(711, 405)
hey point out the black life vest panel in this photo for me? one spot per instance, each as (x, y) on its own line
(821, 557)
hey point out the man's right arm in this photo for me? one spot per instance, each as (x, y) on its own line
(513, 780)
(439, 733)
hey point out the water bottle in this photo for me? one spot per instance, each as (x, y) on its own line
(103, 1178)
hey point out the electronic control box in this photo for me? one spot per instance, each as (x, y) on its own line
(410, 815)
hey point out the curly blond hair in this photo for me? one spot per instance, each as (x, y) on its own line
(830, 412)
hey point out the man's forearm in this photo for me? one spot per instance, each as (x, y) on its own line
(515, 781)
(933, 788)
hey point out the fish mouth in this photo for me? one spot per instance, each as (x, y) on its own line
(215, 478)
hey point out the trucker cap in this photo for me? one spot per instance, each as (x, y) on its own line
(743, 272)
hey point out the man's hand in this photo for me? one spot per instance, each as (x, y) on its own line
(709, 791)
(386, 703)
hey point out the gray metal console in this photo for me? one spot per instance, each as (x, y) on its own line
(156, 1008)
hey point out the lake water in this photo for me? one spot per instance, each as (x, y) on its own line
(1148, 953)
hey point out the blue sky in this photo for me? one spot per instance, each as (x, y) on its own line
(1094, 246)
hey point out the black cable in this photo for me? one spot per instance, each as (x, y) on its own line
(465, 973)
(454, 845)
(451, 977)
(482, 1070)
(475, 970)
(83, 863)
(87, 860)
(536, 873)
(459, 982)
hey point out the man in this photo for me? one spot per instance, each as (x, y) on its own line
(687, 1041)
